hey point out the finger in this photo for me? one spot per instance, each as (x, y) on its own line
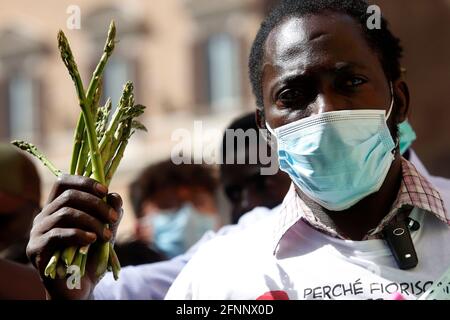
(41, 248)
(73, 218)
(85, 202)
(116, 202)
(85, 184)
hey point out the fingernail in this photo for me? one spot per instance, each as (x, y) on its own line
(91, 235)
(101, 188)
(113, 215)
(107, 234)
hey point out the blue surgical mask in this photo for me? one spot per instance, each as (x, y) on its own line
(406, 135)
(337, 158)
(175, 231)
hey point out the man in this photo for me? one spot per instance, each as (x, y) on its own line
(330, 92)
(20, 192)
(310, 51)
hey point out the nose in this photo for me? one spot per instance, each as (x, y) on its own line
(328, 101)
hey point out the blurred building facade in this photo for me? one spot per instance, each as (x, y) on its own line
(186, 58)
(188, 61)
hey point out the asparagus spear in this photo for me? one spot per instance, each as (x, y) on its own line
(114, 262)
(105, 142)
(50, 270)
(30, 148)
(69, 61)
(80, 130)
(83, 156)
(68, 255)
(117, 118)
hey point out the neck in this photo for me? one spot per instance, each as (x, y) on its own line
(355, 222)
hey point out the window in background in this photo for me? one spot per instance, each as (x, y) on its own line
(21, 84)
(123, 64)
(23, 104)
(118, 71)
(223, 72)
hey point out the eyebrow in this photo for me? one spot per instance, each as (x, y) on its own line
(338, 67)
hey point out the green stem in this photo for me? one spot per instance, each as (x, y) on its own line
(61, 269)
(67, 56)
(107, 51)
(69, 61)
(78, 139)
(83, 157)
(30, 148)
(84, 253)
(115, 162)
(114, 262)
(78, 259)
(103, 254)
(68, 255)
(50, 269)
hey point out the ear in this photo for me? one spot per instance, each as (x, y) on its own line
(402, 98)
(260, 119)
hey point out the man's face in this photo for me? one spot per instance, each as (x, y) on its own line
(321, 63)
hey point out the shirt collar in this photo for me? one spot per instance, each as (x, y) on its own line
(415, 191)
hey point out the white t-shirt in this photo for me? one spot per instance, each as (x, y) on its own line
(152, 281)
(312, 265)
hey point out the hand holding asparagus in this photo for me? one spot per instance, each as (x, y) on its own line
(99, 145)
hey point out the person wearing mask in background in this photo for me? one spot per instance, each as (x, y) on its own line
(174, 206)
(20, 193)
(407, 137)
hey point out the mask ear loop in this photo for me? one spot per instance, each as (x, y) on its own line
(270, 139)
(394, 151)
(392, 101)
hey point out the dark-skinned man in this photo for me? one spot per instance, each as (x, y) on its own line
(330, 92)
(310, 60)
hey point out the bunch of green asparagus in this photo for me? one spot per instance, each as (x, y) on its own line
(99, 143)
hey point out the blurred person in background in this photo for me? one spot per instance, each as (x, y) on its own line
(174, 205)
(244, 185)
(407, 136)
(20, 193)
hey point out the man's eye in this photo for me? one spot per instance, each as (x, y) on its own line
(354, 82)
(290, 98)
